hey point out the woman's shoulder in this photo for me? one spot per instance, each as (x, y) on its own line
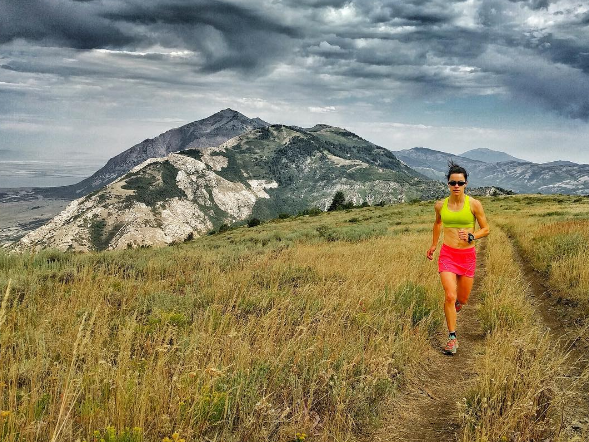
(474, 202)
(438, 205)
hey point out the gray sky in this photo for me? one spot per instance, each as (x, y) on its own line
(85, 80)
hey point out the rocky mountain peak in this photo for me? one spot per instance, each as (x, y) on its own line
(210, 131)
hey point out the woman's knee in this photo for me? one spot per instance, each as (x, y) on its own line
(451, 297)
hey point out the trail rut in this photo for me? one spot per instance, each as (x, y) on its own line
(428, 408)
(569, 330)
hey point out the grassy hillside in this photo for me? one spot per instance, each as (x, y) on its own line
(554, 236)
(296, 326)
(297, 329)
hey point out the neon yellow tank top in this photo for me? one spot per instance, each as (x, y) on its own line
(463, 219)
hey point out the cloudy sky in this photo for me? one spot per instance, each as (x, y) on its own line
(83, 80)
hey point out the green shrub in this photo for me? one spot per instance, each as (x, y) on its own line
(353, 233)
(253, 222)
(313, 211)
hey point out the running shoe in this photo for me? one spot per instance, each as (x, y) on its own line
(458, 306)
(451, 346)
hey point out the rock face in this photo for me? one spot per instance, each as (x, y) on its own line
(520, 177)
(262, 173)
(210, 131)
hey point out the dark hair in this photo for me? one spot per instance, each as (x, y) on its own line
(455, 168)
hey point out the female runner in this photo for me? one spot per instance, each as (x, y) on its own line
(457, 261)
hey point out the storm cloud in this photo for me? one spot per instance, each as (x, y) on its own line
(377, 56)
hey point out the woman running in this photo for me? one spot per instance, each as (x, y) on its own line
(457, 261)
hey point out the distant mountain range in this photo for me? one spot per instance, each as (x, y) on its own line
(490, 156)
(228, 167)
(262, 173)
(519, 176)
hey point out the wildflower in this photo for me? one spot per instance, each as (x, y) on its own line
(299, 437)
(4, 414)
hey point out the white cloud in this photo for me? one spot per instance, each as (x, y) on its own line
(321, 110)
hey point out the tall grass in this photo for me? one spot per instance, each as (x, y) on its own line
(517, 395)
(253, 334)
(556, 242)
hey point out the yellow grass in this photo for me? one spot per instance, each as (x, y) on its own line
(300, 326)
(553, 233)
(296, 329)
(517, 394)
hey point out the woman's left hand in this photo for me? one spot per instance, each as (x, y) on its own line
(463, 234)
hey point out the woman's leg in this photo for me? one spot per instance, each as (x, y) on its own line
(464, 286)
(450, 288)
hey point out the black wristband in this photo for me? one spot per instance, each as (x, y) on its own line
(471, 238)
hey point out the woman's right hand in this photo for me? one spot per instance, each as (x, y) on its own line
(430, 252)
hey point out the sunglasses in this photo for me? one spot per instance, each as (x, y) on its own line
(453, 183)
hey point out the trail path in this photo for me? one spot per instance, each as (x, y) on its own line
(428, 408)
(572, 333)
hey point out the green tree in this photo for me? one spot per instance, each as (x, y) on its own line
(338, 202)
(253, 222)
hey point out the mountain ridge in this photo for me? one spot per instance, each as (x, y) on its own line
(491, 156)
(260, 173)
(519, 177)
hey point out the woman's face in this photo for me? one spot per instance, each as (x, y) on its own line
(457, 179)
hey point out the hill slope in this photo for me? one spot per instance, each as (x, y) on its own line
(261, 173)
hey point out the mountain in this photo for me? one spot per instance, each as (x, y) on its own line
(432, 163)
(18, 218)
(520, 177)
(560, 163)
(262, 173)
(490, 156)
(210, 131)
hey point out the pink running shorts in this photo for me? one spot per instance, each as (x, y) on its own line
(458, 261)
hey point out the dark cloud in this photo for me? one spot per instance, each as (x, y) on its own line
(316, 3)
(225, 35)
(556, 87)
(534, 4)
(407, 14)
(566, 51)
(59, 22)
(433, 46)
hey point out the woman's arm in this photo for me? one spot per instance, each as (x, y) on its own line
(479, 213)
(436, 231)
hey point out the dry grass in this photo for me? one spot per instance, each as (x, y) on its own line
(553, 233)
(518, 394)
(300, 326)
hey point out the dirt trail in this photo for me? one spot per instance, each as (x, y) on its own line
(572, 333)
(428, 408)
